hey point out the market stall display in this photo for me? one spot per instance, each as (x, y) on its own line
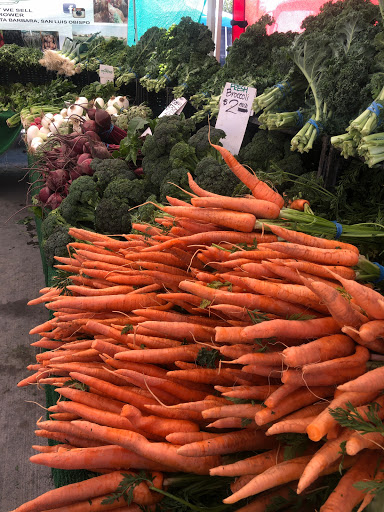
(215, 339)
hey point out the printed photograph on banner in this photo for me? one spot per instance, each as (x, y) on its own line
(1, 39)
(106, 30)
(32, 38)
(110, 11)
(49, 40)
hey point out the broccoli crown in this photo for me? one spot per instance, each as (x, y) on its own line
(215, 176)
(79, 205)
(147, 211)
(169, 130)
(155, 172)
(263, 148)
(109, 169)
(51, 222)
(200, 142)
(112, 216)
(56, 244)
(177, 176)
(183, 155)
(133, 192)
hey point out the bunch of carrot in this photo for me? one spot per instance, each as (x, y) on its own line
(166, 333)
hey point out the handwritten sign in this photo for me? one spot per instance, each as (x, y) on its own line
(106, 74)
(234, 111)
(175, 107)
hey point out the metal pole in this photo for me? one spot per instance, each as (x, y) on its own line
(218, 30)
(135, 21)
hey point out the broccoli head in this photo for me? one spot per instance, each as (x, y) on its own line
(215, 176)
(79, 205)
(183, 155)
(264, 147)
(155, 172)
(133, 192)
(112, 216)
(109, 169)
(147, 211)
(56, 244)
(51, 222)
(200, 142)
(178, 177)
(169, 130)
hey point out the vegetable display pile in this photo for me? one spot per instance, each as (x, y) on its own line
(205, 353)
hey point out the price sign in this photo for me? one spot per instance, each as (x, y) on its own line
(234, 111)
(174, 108)
(106, 74)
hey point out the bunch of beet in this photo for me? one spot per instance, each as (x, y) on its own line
(70, 156)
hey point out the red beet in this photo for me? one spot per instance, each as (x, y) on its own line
(83, 157)
(92, 136)
(74, 174)
(102, 119)
(57, 179)
(85, 167)
(54, 201)
(91, 114)
(44, 194)
(98, 150)
(89, 126)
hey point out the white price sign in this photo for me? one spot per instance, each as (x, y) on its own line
(106, 74)
(235, 109)
(174, 108)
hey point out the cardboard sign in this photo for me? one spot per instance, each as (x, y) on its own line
(106, 74)
(234, 111)
(175, 107)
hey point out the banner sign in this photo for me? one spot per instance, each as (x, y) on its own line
(31, 21)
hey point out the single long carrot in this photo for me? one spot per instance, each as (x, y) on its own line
(343, 257)
(161, 355)
(322, 349)
(248, 300)
(339, 307)
(156, 424)
(106, 303)
(164, 453)
(242, 440)
(313, 241)
(338, 375)
(250, 465)
(86, 489)
(279, 474)
(248, 392)
(358, 442)
(320, 270)
(259, 189)
(325, 456)
(301, 329)
(234, 410)
(279, 394)
(181, 438)
(372, 331)
(87, 398)
(370, 381)
(297, 426)
(296, 400)
(258, 207)
(198, 190)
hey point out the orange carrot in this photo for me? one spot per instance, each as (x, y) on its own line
(258, 207)
(302, 329)
(324, 421)
(370, 381)
(86, 489)
(181, 438)
(325, 456)
(248, 392)
(296, 400)
(298, 204)
(346, 496)
(320, 270)
(369, 441)
(234, 410)
(163, 453)
(322, 349)
(279, 394)
(297, 426)
(106, 303)
(250, 465)
(338, 375)
(87, 398)
(259, 189)
(313, 241)
(242, 440)
(160, 356)
(198, 190)
(343, 257)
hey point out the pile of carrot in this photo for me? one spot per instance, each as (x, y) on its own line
(172, 351)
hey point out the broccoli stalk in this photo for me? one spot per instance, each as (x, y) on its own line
(272, 97)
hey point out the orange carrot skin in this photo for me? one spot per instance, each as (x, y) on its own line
(312, 241)
(345, 494)
(258, 207)
(258, 188)
(341, 257)
(251, 465)
(302, 329)
(300, 378)
(322, 349)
